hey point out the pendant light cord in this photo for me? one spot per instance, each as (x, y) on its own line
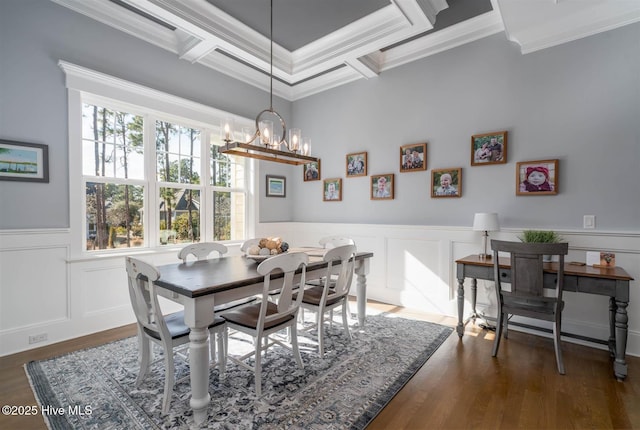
(271, 59)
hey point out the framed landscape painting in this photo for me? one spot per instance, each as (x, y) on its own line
(413, 157)
(535, 178)
(446, 182)
(20, 161)
(489, 148)
(276, 186)
(356, 164)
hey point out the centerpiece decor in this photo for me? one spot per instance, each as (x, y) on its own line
(268, 246)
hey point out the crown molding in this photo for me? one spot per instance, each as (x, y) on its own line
(544, 24)
(208, 36)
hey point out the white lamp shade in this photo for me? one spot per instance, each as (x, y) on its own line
(486, 222)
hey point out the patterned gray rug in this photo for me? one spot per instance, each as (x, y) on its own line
(95, 388)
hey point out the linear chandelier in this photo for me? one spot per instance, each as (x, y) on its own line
(262, 143)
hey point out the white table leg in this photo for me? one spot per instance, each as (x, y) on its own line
(198, 314)
(361, 270)
(199, 364)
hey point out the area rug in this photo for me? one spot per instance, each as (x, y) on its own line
(95, 388)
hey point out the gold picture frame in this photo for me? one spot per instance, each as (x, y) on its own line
(413, 157)
(446, 182)
(356, 164)
(489, 148)
(382, 186)
(537, 178)
(332, 190)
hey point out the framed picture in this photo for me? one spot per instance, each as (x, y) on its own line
(20, 161)
(535, 178)
(413, 157)
(356, 164)
(311, 171)
(446, 182)
(489, 148)
(382, 187)
(276, 186)
(332, 190)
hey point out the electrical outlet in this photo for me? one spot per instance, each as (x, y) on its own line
(38, 338)
(589, 221)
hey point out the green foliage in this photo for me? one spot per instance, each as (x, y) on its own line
(540, 236)
(182, 228)
(113, 234)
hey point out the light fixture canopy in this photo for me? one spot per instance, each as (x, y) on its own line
(485, 222)
(262, 144)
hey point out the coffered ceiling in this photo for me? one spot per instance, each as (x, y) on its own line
(321, 44)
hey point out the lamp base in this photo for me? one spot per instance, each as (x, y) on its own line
(484, 256)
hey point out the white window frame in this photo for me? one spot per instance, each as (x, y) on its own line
(88, 86)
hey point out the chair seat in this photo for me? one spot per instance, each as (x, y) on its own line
(248, 316)
(313, 296)
(176, 326)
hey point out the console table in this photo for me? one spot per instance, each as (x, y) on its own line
(612, 282)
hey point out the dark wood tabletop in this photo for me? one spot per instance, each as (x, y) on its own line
(199, 278)
(616, 273)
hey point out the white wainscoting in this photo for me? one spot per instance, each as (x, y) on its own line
(414, 267)
(43, 291)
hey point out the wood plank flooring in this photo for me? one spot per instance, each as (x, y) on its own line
(460, 387)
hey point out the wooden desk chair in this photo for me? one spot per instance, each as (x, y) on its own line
(526, 296)
(261, 320)
(168, 331)
(334, 293)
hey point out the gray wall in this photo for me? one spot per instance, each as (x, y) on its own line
(578, 102)
(34, 36)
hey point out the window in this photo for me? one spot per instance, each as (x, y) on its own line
(152, 178)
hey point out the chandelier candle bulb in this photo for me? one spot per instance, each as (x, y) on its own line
(295, 136)
(226, 129)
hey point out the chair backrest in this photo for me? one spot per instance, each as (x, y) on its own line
(201, 250)
(248, 244)
(345, 256)
(287, 263)
(527, 266)
(143, 296)
(334, 241)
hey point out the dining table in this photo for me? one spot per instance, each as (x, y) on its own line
(198, 285)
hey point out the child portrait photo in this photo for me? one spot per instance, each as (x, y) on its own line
(413, 157)
(311, 171)
(446, 182)
(382, 187)
(489, 148)
(357, 164)
(332, 190)
(537, 177)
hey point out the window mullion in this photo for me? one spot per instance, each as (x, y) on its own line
(206, 215)
(152, 190)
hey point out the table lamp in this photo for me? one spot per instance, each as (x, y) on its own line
(485, 222)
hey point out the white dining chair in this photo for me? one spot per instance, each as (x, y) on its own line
(202, 251)
(167, 331)
(329, 242)
(335, 291)
(264, 319)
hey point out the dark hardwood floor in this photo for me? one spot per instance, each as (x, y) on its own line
(460, 387)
